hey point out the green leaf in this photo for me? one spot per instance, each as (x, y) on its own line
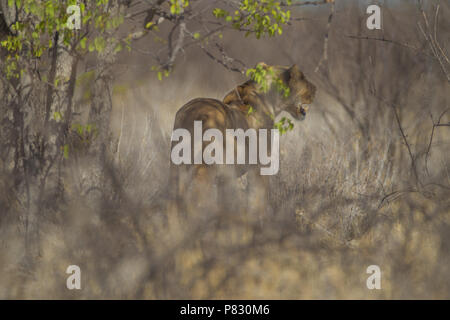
(66, 151)
(100, 44)
(118, 48)
(57, 116)
(83, 43)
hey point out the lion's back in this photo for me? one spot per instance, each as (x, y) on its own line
(213, 114)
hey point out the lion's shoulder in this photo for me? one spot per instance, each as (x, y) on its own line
(240, 94)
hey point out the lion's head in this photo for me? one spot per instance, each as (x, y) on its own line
(258, 96)
(302, 93)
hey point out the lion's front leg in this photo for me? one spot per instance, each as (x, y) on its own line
(257, 203)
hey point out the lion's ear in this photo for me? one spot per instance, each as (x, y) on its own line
(295, 72)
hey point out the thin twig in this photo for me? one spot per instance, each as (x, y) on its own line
(324, 58)
(437, 124)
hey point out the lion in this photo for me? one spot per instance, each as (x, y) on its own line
(246, 106)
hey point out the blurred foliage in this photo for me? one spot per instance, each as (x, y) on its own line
(34, 34)
(260, 17)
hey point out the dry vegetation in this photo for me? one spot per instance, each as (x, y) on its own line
(364, 180)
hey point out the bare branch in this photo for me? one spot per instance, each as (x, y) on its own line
(437, 124)
(324, 58)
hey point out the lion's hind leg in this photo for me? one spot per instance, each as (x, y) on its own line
(198, 191)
